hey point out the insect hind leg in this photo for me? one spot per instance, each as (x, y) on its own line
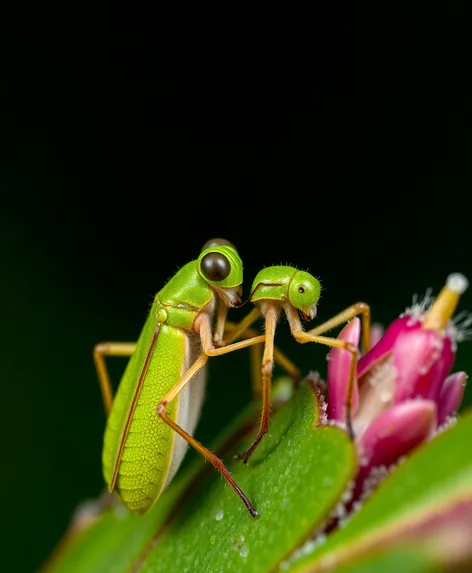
(100, 351)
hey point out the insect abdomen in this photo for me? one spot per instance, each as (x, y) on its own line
(147, 449)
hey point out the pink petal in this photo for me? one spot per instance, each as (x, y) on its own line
(394, 433)
(338, 373)
(422, 359)
(451, 396)
(386, 343)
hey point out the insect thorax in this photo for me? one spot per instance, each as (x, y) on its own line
(178, 303)
(272, 283)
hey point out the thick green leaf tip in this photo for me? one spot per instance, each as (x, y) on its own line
(295, 478)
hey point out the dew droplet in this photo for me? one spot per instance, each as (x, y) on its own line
(238, 540)
(244, 551)
(219, 515)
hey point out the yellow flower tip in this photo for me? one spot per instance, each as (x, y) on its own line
(457, 282)
(446, 302)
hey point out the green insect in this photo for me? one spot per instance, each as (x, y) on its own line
(295, 292)
(155, 411)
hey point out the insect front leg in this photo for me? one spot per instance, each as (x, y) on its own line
(220, 325)
(102, 350)
(203, 325)
(304, 337)
(347, 314)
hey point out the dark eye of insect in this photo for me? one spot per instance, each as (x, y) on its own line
(216, 243)
(301, 289)
(215, 266)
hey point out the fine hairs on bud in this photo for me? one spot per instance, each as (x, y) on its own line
(457, 282)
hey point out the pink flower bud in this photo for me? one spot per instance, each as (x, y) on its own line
(402, 391)
(413, 357)
(450, 399)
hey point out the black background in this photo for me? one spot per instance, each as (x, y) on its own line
(336, 138)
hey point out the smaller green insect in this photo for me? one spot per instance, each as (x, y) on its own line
(155, 411)
(278, 289)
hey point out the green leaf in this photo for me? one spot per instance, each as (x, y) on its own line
(429, 496)
(398, 560)
(113, 540)
(295, 479)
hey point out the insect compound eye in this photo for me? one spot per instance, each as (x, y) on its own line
(301, 289)
(215, 266)
(217, 243)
